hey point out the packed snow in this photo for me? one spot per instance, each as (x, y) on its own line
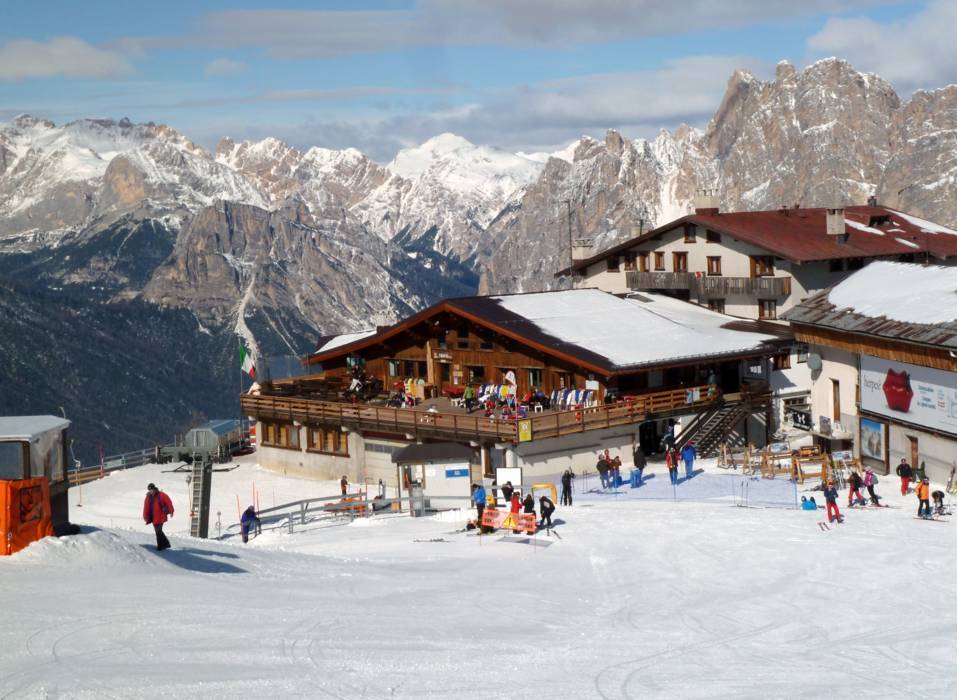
(599, 322)
(345, 339)
(900, 292)
(717, 587)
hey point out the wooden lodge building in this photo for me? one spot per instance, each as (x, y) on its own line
(612, 368)
(883, 352)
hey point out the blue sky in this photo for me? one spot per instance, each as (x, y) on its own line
(528, 75)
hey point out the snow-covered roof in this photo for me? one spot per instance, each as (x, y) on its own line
(29, 427)
(900, 292)
(333, 341)
(638, 330)
(602, 332)
(916, 303)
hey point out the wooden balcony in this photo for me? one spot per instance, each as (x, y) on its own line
(455, 425)
(711, 287)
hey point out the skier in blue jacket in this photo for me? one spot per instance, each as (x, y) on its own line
(688, 454)
(479, 498)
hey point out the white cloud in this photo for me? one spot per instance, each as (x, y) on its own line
(297, 34)
(64, 56)
(224, 66)
(538, 116)
(911, 53)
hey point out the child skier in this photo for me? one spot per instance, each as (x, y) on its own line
(671, 461)
(923, 496)
(547, 508)
(938, 497)
(870, 481)
(830, 495)
(854, 483)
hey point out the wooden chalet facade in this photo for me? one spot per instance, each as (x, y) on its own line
(615, 368)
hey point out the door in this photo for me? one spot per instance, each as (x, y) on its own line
(914, 452)
(836, 401)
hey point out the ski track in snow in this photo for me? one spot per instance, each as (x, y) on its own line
(642, 596)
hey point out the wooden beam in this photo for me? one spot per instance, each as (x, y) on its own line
(885, 348)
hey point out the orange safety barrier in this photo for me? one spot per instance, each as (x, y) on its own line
(25, 514)
(525, 522)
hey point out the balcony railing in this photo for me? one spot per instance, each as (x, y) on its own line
(713, 286)
(474, 427)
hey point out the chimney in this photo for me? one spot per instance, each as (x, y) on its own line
(639, 229)
(872, 201)
(705, 201)
(582, 249)
(835, 222)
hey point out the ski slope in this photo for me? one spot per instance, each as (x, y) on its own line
(642, 596)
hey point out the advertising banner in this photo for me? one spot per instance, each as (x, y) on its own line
(872, 439)
(910, 393)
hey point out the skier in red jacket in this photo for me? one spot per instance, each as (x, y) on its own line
(157, 508)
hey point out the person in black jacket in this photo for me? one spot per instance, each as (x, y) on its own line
(854, 483)
(640, 463)
(567, 477)
(906, 473)
(546, 507)
(528, 504)
(507, 491)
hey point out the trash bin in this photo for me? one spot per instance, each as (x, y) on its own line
(635, 478)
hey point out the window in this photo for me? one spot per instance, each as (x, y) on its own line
(446, 371)
(630, 259)
(486, 342)
(713, 237)
(423, 368)
(642, 262)
(716, 305)
(268, 433)
(12, 463)
(762, 265)
(767, 309)
(689, 233)
(679, 262)
(855, 263)
(283, 435)
(443, 340)
(328, 440)
(613, 263)
(409, 367)
(714, 264)
(835, 265)
(462, 338)
(476, 373)
(781, 361)
(800, 350)
(659, 261)
(393, 368)
(534, 376)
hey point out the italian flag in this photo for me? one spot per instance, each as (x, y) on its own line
(246, 361)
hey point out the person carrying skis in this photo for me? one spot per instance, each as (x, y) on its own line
(830, 495)
(923, 496)
(157, 508)
(671, 461)
(906, 473)
(602, 467)
(854, 483)
(247, 522)
(567, 477)
(870, 481)
(546, 507)
(688, 455)
(640, 463)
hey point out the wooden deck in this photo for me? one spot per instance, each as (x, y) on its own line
(458, 426)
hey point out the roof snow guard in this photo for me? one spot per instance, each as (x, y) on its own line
(912, 303)
(801, 235)
(601, 332)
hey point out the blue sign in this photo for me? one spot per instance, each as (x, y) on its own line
(453, 473)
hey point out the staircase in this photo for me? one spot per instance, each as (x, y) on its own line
(200, 483)
(710, 429)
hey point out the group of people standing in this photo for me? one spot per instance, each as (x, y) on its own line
(517, 504)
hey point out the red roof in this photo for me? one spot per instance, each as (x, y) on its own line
(800, 235)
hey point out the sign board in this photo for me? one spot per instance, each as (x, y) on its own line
(800, 419)
(842, 455)
(495, 518)
(919, 395)
(456, 473)
(779, 448)
(872, 439)
(824, 425)
(525, 430)
(442, 355)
